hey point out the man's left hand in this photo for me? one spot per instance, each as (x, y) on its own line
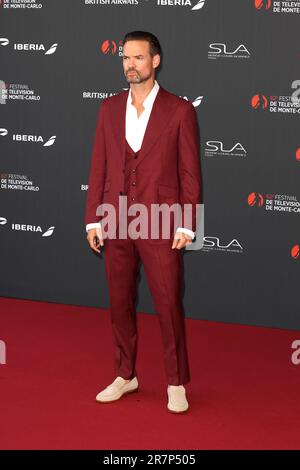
(181, 240)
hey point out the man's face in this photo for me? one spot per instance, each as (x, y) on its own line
(138, 65)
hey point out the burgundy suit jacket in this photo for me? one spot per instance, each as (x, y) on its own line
(168, 164)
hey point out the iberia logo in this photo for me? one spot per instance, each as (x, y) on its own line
(295, 251)
(259, 101)
(262, 4)
(199, 5)
(255, 199)
(109, 47)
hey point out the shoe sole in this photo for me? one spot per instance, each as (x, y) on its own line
(116, 399)
(177, 412)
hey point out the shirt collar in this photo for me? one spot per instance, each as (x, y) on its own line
(149, 100)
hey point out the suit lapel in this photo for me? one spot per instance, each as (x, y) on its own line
(118, 123)
(160, 117)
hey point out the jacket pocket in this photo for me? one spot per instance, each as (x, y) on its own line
(165, 190)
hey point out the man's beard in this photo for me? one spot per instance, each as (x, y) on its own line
(136, 77)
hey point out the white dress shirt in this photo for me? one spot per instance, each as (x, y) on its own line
(135, 130)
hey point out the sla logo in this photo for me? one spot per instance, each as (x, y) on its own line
(255, 199)
(295, 251)
(214, 243)
(3, 221)
(2, 352)
(3, 132)
(219, 49)
(259, 101)
(262, 4)
(217, 147)
(30, 46)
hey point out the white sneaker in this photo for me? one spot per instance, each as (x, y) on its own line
(115, 390)
(177, 402)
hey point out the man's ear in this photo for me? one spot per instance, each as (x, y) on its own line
(156, 60)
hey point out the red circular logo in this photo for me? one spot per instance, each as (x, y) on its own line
(255, 199)
(259, 101)
(262, 4)
(109, 47)
(295, 251)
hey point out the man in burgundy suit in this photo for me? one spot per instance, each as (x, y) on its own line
(146, 150)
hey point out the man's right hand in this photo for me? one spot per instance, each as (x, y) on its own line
(94, 237)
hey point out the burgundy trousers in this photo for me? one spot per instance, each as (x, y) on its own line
(164, 273)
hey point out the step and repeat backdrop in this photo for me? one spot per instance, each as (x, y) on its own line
(238, 62)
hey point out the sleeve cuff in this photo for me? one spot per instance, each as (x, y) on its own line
(187, 231)
(93, 225)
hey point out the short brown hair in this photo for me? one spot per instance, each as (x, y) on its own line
(155, 47)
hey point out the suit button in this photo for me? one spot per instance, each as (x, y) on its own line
(135, 156)
(133, 198)
(133, 183)
(133, 171)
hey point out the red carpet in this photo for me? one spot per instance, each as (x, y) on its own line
(244, 392)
